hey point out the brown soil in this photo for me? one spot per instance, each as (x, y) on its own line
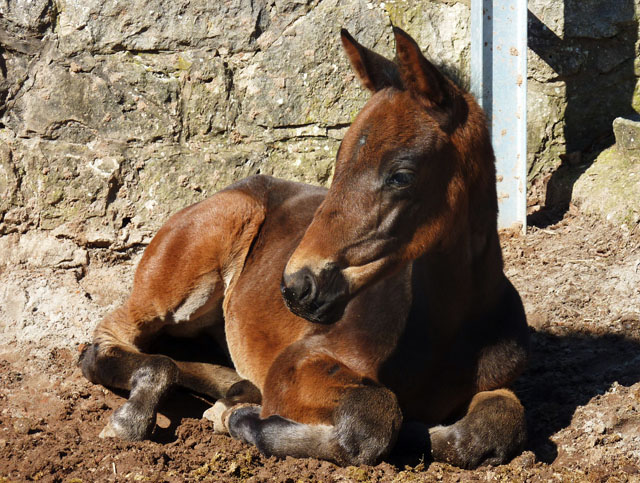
(580, 281)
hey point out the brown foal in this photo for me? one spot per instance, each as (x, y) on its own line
(345, 312)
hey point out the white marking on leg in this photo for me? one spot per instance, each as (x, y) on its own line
(197, 298)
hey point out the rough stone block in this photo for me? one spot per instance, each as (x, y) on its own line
(62, 182)
(303, 77)
(442, 29)
(33, 15)
(38, 250)
(610, 188)
(159, 25)
(122, 99)
(627, 132)
(207, 102)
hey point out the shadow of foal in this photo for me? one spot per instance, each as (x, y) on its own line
(567, 371)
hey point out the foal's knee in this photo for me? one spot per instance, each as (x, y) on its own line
(491, 433)
(367, 422)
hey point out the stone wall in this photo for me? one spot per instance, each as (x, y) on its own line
(583, 71)
(116, 113)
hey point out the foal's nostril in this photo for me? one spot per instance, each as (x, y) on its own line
(308, 289)
(300, 288)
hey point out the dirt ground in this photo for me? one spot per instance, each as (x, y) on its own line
(580, 282)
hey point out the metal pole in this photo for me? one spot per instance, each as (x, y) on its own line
(499, 82)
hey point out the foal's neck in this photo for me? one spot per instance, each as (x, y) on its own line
(461, 279)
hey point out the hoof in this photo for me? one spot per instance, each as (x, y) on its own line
(215, 413)
(221, 412)
(130, 423)
(108, 432)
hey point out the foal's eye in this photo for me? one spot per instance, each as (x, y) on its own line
(401, 178)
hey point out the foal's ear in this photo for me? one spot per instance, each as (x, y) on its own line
(418, 74)
(374, 71)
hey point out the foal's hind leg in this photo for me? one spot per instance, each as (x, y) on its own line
(115, 359)
(118, 363)
(180, 282)
(147, 377)
(491, 433)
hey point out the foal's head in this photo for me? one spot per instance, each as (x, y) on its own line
(401, 185)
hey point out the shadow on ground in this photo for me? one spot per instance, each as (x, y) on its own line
(567, 372)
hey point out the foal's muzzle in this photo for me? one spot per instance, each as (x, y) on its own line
(319, 298)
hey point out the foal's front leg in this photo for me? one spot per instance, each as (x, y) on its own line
(316, 407)
(492, 432)
(494, 428)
